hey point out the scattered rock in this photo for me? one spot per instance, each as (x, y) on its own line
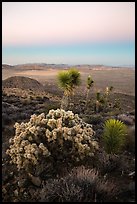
(133, 129)
(9, 106)
(4, 190)
(35, 180)
(22, 190)
(16, 193)
(45, 98)
(131, 186)
(11, 174)
(22, 183)
(132, 174)
(25, 194)
(126, 119)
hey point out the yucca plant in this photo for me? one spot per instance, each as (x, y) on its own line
(90, 83)
(103, 99)
(108, 90)
(98, 96)
(114, 134)
(98, 101)
(106, 95)
(68, 80)
(74, 78)
(111, 88)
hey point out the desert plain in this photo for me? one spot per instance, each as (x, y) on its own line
(22, 97)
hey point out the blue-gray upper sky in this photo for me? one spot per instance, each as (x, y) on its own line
(68, 32)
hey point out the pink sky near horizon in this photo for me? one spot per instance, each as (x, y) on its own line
(35, 23)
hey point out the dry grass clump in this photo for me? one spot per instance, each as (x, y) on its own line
(80, 185)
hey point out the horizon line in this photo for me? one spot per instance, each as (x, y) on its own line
(44, 63)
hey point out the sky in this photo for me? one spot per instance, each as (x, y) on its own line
(68, 33)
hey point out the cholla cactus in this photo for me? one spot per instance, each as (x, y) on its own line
(26, 147)
(59, 135)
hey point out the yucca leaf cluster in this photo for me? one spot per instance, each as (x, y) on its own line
(68, 80)
(114, 135)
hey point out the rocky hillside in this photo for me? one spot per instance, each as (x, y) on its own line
(22, 83)
(6, 66)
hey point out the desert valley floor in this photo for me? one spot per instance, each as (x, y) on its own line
(33, 89)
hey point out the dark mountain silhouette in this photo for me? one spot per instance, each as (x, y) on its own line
(6, 66)
(22, 83)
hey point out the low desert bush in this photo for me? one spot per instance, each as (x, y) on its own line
(51, 105)
(130, 139)
(117, 104)
(107, 163)
(114, 133)
(80, 185)
(60, 136)
(5, 119)
(93, 119)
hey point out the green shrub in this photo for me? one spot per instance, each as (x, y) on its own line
(60, 136)
(114, 135)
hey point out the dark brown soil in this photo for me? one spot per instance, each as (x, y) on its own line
(18, 188)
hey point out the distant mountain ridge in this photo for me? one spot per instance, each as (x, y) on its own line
(40, 66)
(35, 65)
